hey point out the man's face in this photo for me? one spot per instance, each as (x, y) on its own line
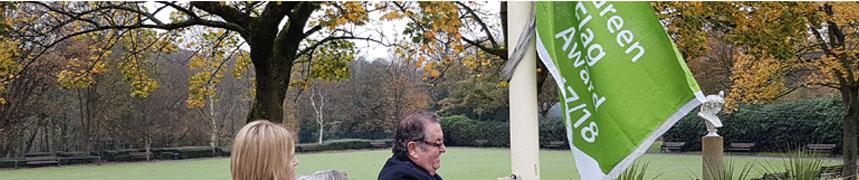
(428, 155)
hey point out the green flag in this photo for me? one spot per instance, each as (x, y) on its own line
(622, 81)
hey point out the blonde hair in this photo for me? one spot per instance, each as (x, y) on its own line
(262, 151)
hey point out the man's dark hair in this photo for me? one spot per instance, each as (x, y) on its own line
(412, 128)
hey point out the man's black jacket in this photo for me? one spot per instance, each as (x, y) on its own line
(396, 169)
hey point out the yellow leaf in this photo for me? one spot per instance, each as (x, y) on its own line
(435, 73)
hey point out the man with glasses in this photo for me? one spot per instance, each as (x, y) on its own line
(418, 145)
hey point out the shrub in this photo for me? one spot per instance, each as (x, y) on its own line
(462, 131)
(345, 144)
(194, 152)
(185, 152)
(73, 154)
(553, 129)
(11, 163)
(770, 126)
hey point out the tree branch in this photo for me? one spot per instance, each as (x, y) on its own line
(479, 21)
(187, 11)
(332, 38)
(277, 10)
(500, 52)
(227, 13)
(297, 22)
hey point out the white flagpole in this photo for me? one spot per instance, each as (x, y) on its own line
(524, 134)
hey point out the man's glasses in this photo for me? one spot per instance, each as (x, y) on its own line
(437, 145)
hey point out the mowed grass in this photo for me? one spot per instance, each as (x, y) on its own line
(457, 163)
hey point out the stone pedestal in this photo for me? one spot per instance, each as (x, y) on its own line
(712, 151)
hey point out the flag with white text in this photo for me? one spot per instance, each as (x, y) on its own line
(622, 81)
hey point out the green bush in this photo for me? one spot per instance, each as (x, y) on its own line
(194, 152)
(186, 152)
(345, 144)
(553, 130)
(772, 127)
(462, 131)
(115, 155)
(73, 154)
(10, 163)
(168, 156)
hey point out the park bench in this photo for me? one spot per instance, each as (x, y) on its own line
(140, 155)
(741, 147)
(672, 146)
(555, 144)
(78, 157)
(48, 158)
(168, 155)
(72, 159)
(225, 151)
(820, 148)
(378, 144)
(308, 147)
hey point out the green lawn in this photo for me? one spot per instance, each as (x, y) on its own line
(457, 163)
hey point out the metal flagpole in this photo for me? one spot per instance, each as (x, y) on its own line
(524, 134)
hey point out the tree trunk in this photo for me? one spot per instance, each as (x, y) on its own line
(321, 130)
(84, 115)
(271, 86)
(213, 139)
(851, 107)
(4, 145)
(318, 109)
(148, 146)
(30, 140)
(270, 92)
(273, 51)
(503, 13)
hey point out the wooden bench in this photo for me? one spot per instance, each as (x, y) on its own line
(168, 155)
(140, 155)
(555, 144)
(741, 147)
(42, 159)
(78, 157)
(307, 147)
(820, 148)
(225, 151)
(672, 146)
(378, 144)
(72, 159)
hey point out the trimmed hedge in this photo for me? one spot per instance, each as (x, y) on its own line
(173, 153)
(345, 144)
(10, 163)
(773, 127)
(342, 144)
(186, 152)
(193, 152)
(462, 131)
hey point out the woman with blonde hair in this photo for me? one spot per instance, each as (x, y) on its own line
(263, 151)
